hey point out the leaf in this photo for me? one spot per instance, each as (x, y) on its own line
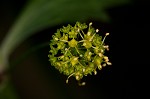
(8, 91)
(41, 14)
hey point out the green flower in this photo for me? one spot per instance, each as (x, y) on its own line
(76, 53)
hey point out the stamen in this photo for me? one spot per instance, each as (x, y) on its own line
(106, 58)
(104, 65)
(63, 40)
(81, 36)
(77, 50)
(69, 77)
(95, 72)
(92, 36)
(81, 41)
(99, 67)
(97, 30)
(81, 84)
(90, 24)
(104, 38)
(66, 49)
(83, 69)
(81, 55)
(107, 34)
(109, 63)
(93, 47)
(78, 30)
(100, 54)
(106, 47)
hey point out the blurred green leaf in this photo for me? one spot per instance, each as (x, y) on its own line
(41, 14)
(8, 91)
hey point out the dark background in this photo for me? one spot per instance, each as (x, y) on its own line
(34, 78)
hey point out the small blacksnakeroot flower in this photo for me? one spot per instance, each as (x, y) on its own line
(77, 53)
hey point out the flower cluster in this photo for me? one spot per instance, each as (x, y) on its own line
(78, 51)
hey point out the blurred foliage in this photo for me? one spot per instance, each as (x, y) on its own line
(8, 92)
(42, 14)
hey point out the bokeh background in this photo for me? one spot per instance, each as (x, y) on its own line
(30, 74)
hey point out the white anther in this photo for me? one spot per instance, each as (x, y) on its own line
(83, 69)
(90, 53)
(78, 30)
(83, 83)
(97, 30)
(106, 58)
(104, 65)
(107, 34)
(109, 63)
(106, 47)
(77, 77)
(95, 72)
(90, 24)
(99, 67)
(66, 49)
(100, 54)
(102, 51)
(81, 55)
